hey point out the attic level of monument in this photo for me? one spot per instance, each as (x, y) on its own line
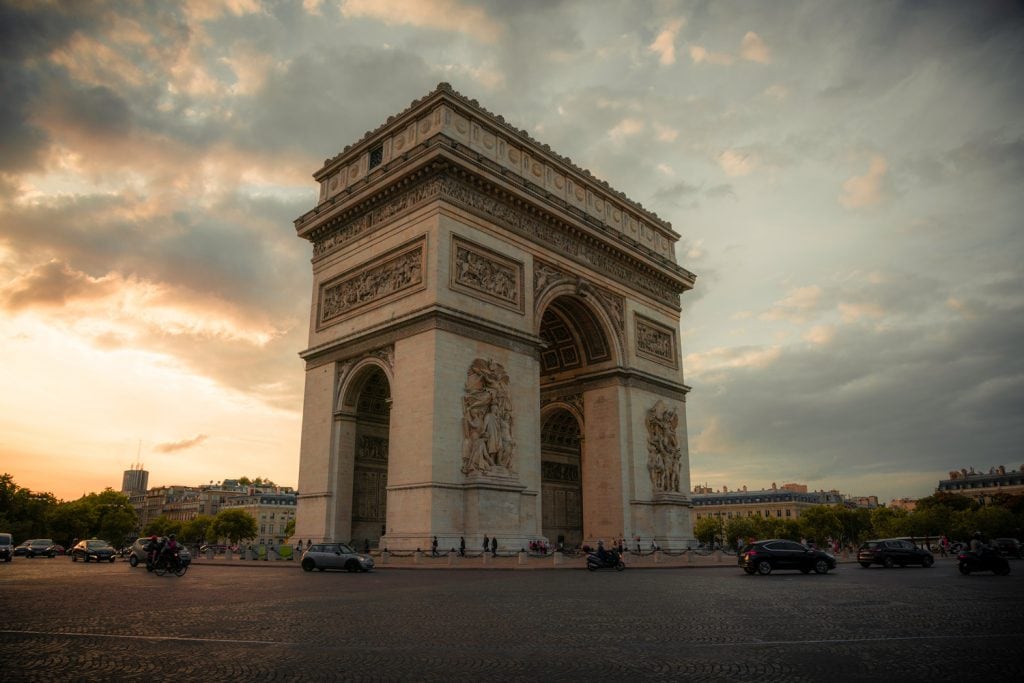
(385, 174)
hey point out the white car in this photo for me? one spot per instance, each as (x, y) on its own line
(321, 556)
(138, 552)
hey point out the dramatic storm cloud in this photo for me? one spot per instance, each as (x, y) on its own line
(845, 177)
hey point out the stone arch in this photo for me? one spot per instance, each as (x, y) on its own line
(364, 412)
(561, 473)
(578, 334)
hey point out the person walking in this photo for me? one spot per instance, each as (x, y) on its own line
(433, 547)
(494, 546)
(462, 546)
(487, 543)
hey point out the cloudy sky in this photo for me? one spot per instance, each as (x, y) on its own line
(847, 178)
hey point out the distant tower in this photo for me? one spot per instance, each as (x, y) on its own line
(136, 480)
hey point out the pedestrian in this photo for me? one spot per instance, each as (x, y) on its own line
(433, 547)
(462, 546)
(487, 543)
(366, 546)
(494, 547)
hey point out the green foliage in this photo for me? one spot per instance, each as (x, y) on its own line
(23, 512)
(889, 522)
(235, 525)
(743, 528)
(289, 528)
(163, 526)
(706, 529)
(950, 501)
(821, 522)
(198, 530)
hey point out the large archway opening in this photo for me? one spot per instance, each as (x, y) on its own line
(370, 471)
(576, 346)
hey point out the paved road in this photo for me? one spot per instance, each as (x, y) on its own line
(275, 623)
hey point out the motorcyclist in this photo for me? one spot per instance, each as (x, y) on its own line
(170, 548)
(977, 543)
(602, 553)
(152, 547)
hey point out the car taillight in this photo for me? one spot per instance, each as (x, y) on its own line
(751, 553)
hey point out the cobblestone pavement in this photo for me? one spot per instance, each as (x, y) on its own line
(272, 622)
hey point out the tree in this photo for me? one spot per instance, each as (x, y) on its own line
(163, 526)
(234, 525)
(706, 529)
(289, 528)
(889, 522)
(198, 530)
(952, 501)
(856, 524)
(821, 522)
(743, 528)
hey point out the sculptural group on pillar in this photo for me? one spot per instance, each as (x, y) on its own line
(488, 446)
(663, 452)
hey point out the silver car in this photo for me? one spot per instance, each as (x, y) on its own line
(138, 553)
(321, 556)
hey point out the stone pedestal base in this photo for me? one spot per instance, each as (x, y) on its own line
(671, 515)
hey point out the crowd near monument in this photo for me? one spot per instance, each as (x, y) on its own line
(493, 345)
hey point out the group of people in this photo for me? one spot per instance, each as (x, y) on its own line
(158, 547)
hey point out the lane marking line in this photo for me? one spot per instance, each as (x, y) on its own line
(131, 637)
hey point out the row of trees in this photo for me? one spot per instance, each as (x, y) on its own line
(943, 514)
(108, 515)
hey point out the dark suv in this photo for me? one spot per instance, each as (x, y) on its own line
(893, 552)
(1008, 546)
(6, 547)
(765, 556)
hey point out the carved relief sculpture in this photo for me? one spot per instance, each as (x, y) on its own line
(655, 342)
(487, 443)
(663, 453)
(373, 284)
(479, 271)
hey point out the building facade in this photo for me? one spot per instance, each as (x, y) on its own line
(982, 485)
(272, 512)
(134, 481)
(778, 503)
(494, 345)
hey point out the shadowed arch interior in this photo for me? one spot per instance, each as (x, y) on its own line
(561, 493)
(370, 472)
(573, 336)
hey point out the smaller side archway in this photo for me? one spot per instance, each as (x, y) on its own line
(363, 438)
(561, 475)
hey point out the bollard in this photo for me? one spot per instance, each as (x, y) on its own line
(228, 555)
(559, 558)
(522, 557)
(451, 557)
(417, 556)
(209, 553)
(384, 555)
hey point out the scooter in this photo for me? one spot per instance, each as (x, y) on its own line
(984, 560)
(611, 561)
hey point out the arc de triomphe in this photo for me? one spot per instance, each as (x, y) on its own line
(493, 345)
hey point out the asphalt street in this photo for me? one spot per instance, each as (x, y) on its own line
(72, 621)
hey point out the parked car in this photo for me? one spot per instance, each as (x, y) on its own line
(1008, 546)
(37, 547)
(138, 552)
(6, 547)
(893, 552)
(93, 550)
(763, 557)
(321, 556)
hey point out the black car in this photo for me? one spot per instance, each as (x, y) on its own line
(1008, 546)
(37, 547)
(763, 557)
(93, 550)
(893, 552)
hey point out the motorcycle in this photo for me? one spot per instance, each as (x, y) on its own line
(984, 560)
(167, 563)
(611, 561)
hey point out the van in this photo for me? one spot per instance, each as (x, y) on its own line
(6, 547)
